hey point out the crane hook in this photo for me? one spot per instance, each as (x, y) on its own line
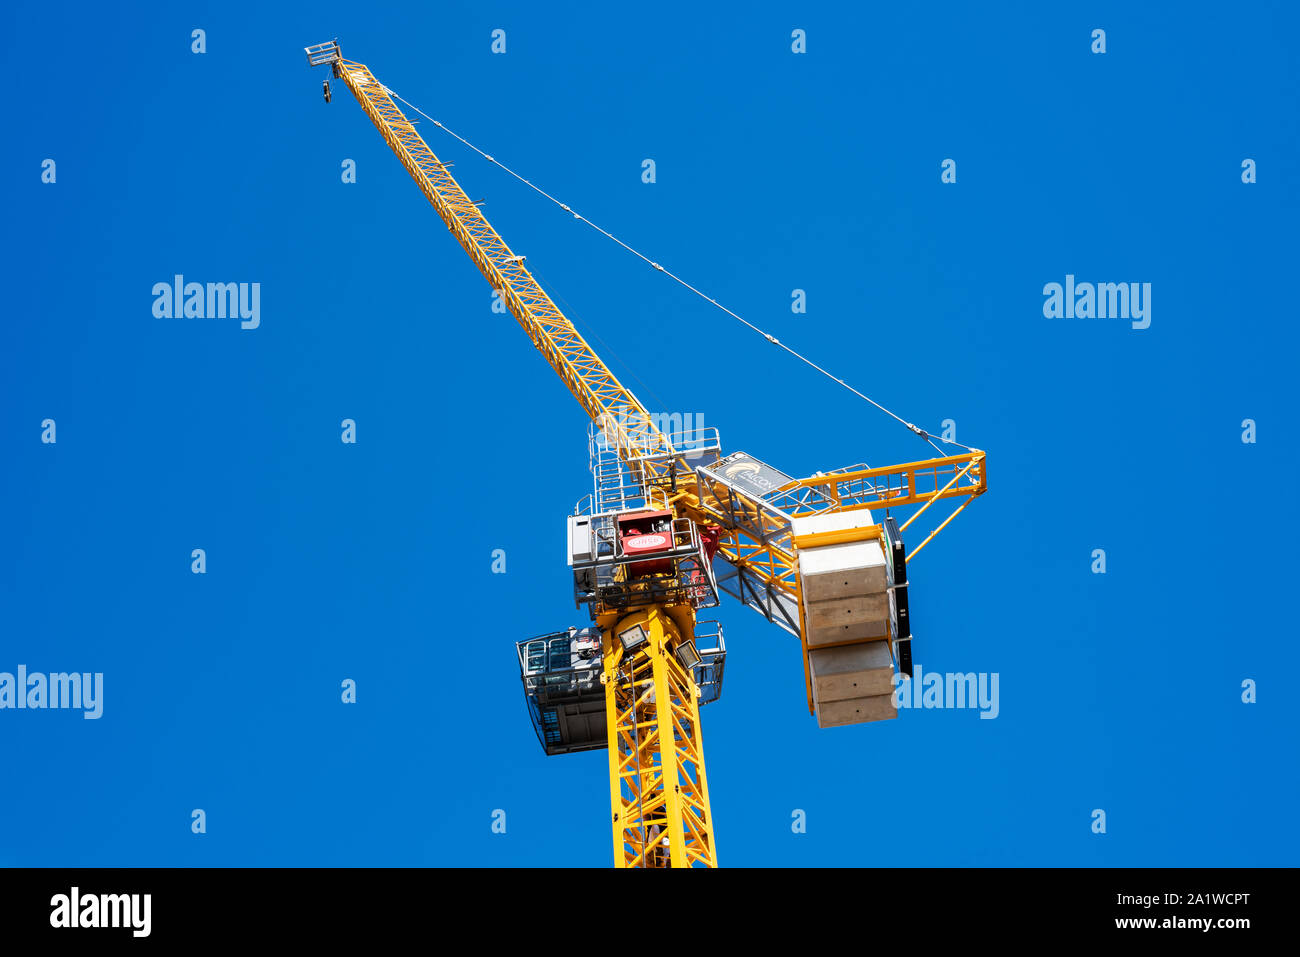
(326, 85)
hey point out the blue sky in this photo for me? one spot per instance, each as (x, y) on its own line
(775, 171)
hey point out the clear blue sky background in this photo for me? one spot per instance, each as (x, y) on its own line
(775, 171)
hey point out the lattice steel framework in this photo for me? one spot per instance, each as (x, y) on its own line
(756, 544)
(765, 556)
(587, 377)
(659, 793)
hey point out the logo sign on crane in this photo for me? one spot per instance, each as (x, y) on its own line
(742, 470)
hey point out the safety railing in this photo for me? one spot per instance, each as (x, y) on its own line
(323, 53)
(613, 581)
(713, 657)
(549, 665)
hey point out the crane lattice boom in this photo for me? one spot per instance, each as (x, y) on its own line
(667, 531)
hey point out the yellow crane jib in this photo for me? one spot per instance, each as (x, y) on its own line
(670, 527)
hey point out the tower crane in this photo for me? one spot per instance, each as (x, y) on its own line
(673, 525)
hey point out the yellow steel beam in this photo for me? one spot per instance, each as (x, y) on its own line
(659, 791)
(596, 388)
(607, 401)
(658, 786)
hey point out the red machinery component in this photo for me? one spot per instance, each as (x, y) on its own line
(711, 536)
(647, 533)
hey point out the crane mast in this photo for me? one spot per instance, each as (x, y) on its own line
(672, 525)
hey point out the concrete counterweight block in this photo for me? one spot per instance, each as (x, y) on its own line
(834, 714)
(844, 589)
(840, 571)
(852, 671)
(853, 684)
(844, 586)
(847, 619)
